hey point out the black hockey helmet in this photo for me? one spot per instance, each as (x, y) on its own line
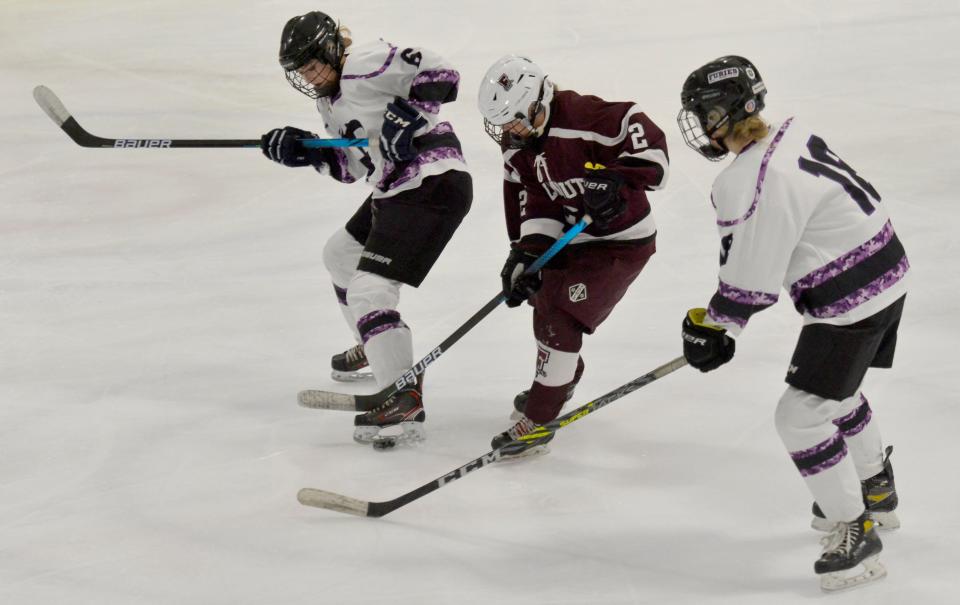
(722, 92)
(311, 36)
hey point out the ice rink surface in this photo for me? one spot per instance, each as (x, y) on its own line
(159, 310)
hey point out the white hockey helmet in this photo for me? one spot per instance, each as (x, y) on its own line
(514, 88)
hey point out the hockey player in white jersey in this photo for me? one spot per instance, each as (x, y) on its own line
(421, 189)
(791, 213)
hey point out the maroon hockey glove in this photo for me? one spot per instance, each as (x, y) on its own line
(518, 286)
(601, 196)
(705, 347)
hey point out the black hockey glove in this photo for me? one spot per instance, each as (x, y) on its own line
(400, 122)
(282, 145)
(705, 347)
(601, 196)
(517, 285)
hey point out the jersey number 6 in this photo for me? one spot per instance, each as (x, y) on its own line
(823, 164)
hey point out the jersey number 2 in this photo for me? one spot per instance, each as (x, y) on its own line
(824, 164)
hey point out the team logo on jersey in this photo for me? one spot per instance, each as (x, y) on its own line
(569, 189)
(578, 292)
(723, 74)
(506, 82)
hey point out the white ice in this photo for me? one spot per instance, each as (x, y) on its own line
(159, 310)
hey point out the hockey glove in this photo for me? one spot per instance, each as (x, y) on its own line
(601, 196)
(517, 285)
(400, 122)
(705, 347)
(282, 145)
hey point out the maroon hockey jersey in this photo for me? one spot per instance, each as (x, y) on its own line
(543, 183)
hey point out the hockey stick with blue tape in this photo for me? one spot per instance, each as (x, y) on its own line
(53, 107)
(352, 506)
(330, 400)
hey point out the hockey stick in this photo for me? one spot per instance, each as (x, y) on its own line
(352, 506)
(53, 107)
(330, 400)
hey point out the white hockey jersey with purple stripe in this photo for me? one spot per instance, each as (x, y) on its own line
(373, 75)
(792, 214)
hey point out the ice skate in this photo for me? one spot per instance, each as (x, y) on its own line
(520, 402)
(529, 441)
(399, 420)
(349, 365)
(851, 555)
(879, 497)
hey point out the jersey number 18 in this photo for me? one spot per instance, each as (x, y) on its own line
(825, 162)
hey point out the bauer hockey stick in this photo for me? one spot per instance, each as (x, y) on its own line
(53, 107)
(352, 506)
(330, 400)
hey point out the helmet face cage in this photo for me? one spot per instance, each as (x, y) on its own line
(721, 93)
(296, 79)
(313, 36)
(698, 124)
(514, 141)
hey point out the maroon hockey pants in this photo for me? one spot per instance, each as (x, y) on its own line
(575, 298)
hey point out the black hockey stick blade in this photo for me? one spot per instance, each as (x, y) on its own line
(344, 504)
(51, 104)
(331, 400)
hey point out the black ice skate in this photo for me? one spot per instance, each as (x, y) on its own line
(520, 402)
(522, 439)
(401, 416)
(347, 366)
(848, 547)
(879, 496)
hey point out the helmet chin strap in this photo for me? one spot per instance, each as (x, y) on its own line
(518, 142)
(715, 153)
(546, 120)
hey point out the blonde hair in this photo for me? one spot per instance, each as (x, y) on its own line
(749, 130)
(346, 34)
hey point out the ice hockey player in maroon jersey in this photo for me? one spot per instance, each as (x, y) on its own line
(566, 155)
(793, 215)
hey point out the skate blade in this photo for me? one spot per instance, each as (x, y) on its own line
(885, 521)
(358, 376)
(388, 437)
(888, 520)
(836, 581)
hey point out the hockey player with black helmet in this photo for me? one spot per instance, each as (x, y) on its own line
(421, 190)
(566, 155)
(792, 214)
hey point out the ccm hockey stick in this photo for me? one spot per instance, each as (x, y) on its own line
(330, 400)
(352, 506)
(53, 107)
